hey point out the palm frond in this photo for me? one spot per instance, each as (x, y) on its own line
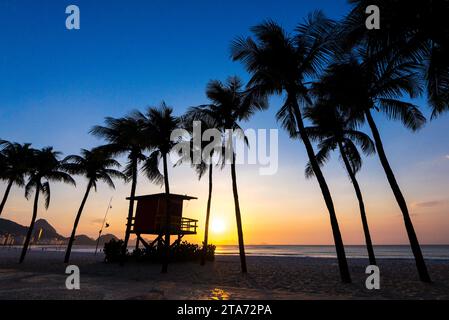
(322, 157)
(286, 116)
(47, 194)
(151, 168)
(408, 113)
(361, 139)
(353, 155)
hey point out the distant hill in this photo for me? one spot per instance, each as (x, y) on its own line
(8, 226)
(83, 240)
(106, 238)
(49, 234)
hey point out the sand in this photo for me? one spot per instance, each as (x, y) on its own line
(42, 276)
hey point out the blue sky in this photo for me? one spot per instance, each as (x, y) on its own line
(55, 84)
(128, 54)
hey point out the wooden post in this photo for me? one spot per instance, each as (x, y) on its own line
(159, 242)
(137, 241)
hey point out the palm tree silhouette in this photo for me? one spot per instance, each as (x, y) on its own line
(45, 168)
(335, 131)
(95, 165)
(229, 105)
(15, 160)
(419, 32)
(361, 84)
(279, 63)
(159, 123)
(205, 164)
(125, 136)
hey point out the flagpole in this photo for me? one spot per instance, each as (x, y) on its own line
(102, 225)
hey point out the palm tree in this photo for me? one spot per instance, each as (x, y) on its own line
(362, 84)
(15, 159)
(202, 165)
(159, 123)
(229, 105)
(125, 137)
(45, 168)
(95, 165)
(279, 63)
(419, 31)
(334, 131)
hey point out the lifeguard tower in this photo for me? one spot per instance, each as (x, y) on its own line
(150, 218)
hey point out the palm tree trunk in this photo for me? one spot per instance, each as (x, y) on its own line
(167, 217)
(206, 228)
(358, 192)
(75, 225)
(339, 247)
(30, 229)
(5, 196)
(414, 243)
(238, 216)
(131, 207)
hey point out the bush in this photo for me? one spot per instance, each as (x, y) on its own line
(185, 251)
(113, 250)
(210, 252)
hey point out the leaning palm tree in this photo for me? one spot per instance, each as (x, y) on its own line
(229, 105)
(15, 165)
(333, 131)
(125, 137)
(96, 165)
(159, 123)
(45, 168)
(419, 31)
(203, 164)
(363, 84)
(282, 64)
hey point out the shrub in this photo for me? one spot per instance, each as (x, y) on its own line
(185, 251)
(210, 252)
(113, 250)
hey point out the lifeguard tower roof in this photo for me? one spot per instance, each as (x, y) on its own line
(159, 195)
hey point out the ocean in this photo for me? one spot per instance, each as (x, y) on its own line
(432, 252)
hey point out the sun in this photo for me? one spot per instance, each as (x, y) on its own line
(218, 225)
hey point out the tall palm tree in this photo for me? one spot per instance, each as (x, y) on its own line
(335, 131)
(15, 165)
(282, 64)
(45, 168)
(159, 123)
(229, 105)
(419, 31)
(201, 166)
(96, 165)
(362, 84)
(125, 136)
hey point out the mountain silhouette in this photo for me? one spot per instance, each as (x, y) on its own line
(83, 240)
(49, 234)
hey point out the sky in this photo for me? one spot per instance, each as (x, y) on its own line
(55, 84)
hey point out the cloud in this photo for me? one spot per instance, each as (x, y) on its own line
(446, 157)
(429, 204)
(99, 221)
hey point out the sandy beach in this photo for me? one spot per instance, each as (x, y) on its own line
(42, 276)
